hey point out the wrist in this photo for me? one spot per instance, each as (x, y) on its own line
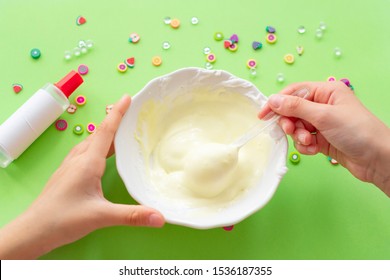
(381, 168)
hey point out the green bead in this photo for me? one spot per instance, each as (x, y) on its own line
(218, 36)
(295, 157)
(35, 53)
(78, 129)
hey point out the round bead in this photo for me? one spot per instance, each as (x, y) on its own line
(337, 52)
(77, 51)
(175, 23)
(84, 50)
(121, 67)
(319, 33)
(78, 129)
(331, 79)
(270, 29)
(17, 87)
(271, 38)
(280, 77)
(211, 58)
(194, 20)
(299, 50)
(253, 72)
(218, 36)
(67, 55)
(89, 44)
(91, 127)
(332, 161)
(322, 25)
(227, 44)
(206, 50)
(233, 47)
(80, 20)
(156, 61)
(82, 44)
(166, 45)
(234, 38)
(61, 125)
(295, 157)
(80, 100)
(109, 108)
(208, 66)
(251, 63)
(346, 82)
(301, 29)
(71, 109)
(35, 53)
(134, 38)
(167, 20)
(83, 69)
(289, 58)
(257, 45)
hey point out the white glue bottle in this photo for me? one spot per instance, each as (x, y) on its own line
(24, 126)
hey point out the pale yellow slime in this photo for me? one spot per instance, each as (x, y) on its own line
(186, 144)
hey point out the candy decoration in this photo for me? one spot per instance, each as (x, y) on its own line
(218, 36)
(80, 20)
(257, 45)
(78, 129)
(91, 127)
(270, 29)
(271, 38)
(80, 100)
(227, 43)
(333, 161)
(134, 38)
(251, 63)
(156, 61)
(234, 38)
(71, 109)
(331, 79)
(17, 88)
(35, 53)
(294, 157)
(130, 62)
(233, 48)
(346, 82)
(228, 228)
(175, 23)
(211, 58)
(299, 50)
(289, 58)
(122, 67)
(83, 69)
(61, 125)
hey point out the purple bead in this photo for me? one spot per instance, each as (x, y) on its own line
(270, 29)
(257, 45)
(234, 38)
(346, 82)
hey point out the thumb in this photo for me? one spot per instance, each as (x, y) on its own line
(132, 215)
(293, 106)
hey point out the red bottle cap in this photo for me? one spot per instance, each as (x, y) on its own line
(69, 83)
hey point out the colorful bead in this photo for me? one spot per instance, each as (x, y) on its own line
(130, 62)
(61, 125)
(80, 100)
(78, 129)
(333, 161)
(234, 38)
(91, 127)
(233, 47)
(121, 67)
(227, 44)
(80, 20)
(211, 58)
(35, 53)
(289, 58)
(346, 82)
(175, 23)
(228, 228)
(134, 38)
(17, 88)
(331, 79)
(270, 29)
(295, 157)
(83, 69)
(156, 61)
(271, 38)
(71, 109)
(251, 63)
(257, 45)
(299, 50)
(218, 36)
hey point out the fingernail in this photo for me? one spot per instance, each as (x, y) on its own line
(156, 220)
(276, 100)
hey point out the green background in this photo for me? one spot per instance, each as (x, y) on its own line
(320, 211)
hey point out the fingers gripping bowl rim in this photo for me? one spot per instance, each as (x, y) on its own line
(131, 166)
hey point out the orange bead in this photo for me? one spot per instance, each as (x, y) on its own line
(175, 23)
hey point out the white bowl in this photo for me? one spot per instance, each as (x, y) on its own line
(131, 165)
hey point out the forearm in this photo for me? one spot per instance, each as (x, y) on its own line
(27, 237)
(381, 173)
